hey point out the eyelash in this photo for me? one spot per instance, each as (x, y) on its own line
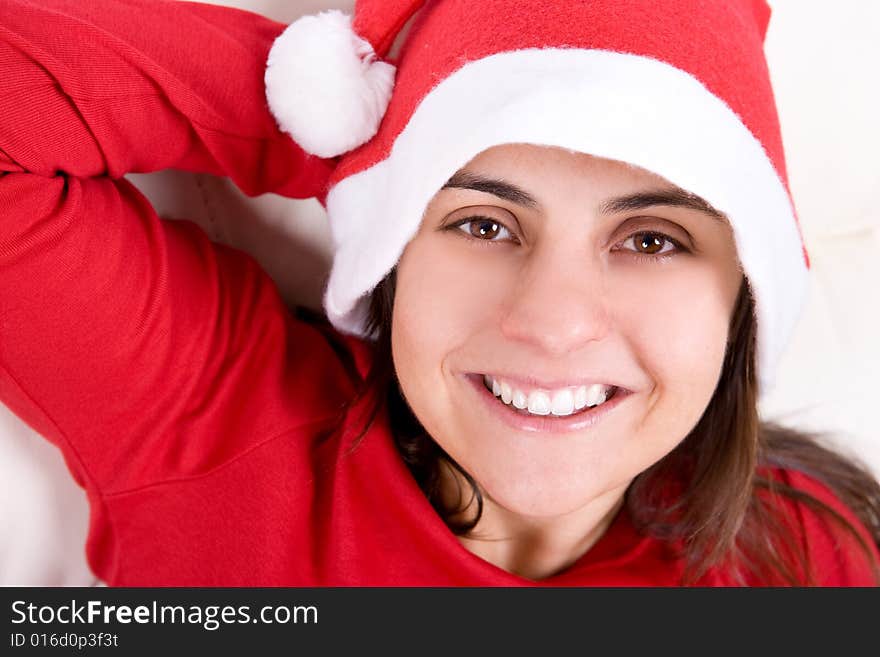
(679, 248)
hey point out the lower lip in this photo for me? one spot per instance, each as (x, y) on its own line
(518, 420)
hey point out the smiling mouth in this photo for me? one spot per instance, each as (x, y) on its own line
(562, 402)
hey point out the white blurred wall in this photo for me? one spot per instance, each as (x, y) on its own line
(822, 58)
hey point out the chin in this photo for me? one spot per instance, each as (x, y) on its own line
(545, 497)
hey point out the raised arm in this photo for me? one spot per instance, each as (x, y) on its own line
(145, 351)
(109, 87)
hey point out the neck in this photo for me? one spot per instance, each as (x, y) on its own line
(537, 547)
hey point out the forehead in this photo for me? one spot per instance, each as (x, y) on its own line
(544, 164)
(547, 178)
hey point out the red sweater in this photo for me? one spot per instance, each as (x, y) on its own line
(196, 412)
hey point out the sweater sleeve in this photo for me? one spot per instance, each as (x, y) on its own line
(142, 349)
(109, 87)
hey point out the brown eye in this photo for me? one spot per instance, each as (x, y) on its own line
(646, 244)
(484, 228)
(649, 243)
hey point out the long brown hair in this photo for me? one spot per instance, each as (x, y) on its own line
(726, 507)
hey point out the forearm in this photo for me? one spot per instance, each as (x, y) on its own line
(109, 87)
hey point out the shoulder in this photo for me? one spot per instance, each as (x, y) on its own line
(831, 534)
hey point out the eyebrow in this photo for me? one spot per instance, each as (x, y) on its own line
(499, 188)
(669, 196)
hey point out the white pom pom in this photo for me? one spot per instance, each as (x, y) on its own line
(324, 85)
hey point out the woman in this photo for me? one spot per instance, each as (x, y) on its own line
(571, 244)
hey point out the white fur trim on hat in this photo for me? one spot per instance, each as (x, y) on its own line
(588, 101)
(325, 86)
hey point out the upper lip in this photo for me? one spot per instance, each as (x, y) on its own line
(553, 383)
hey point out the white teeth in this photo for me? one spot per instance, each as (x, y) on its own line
(563, 403)
(506, 393)
(580, 398)
(543, 402)
(539, 403)
(595, 394)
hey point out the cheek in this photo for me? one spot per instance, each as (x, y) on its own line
(682, 334)
(445, 296)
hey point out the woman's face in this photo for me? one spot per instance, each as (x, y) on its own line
(551, 276)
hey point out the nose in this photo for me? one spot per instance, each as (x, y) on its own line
(557, 304)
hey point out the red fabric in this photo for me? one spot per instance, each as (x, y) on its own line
(379, 21)
(195, 410)
(719, 43)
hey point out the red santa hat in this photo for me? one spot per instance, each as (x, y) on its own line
(679, 88)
